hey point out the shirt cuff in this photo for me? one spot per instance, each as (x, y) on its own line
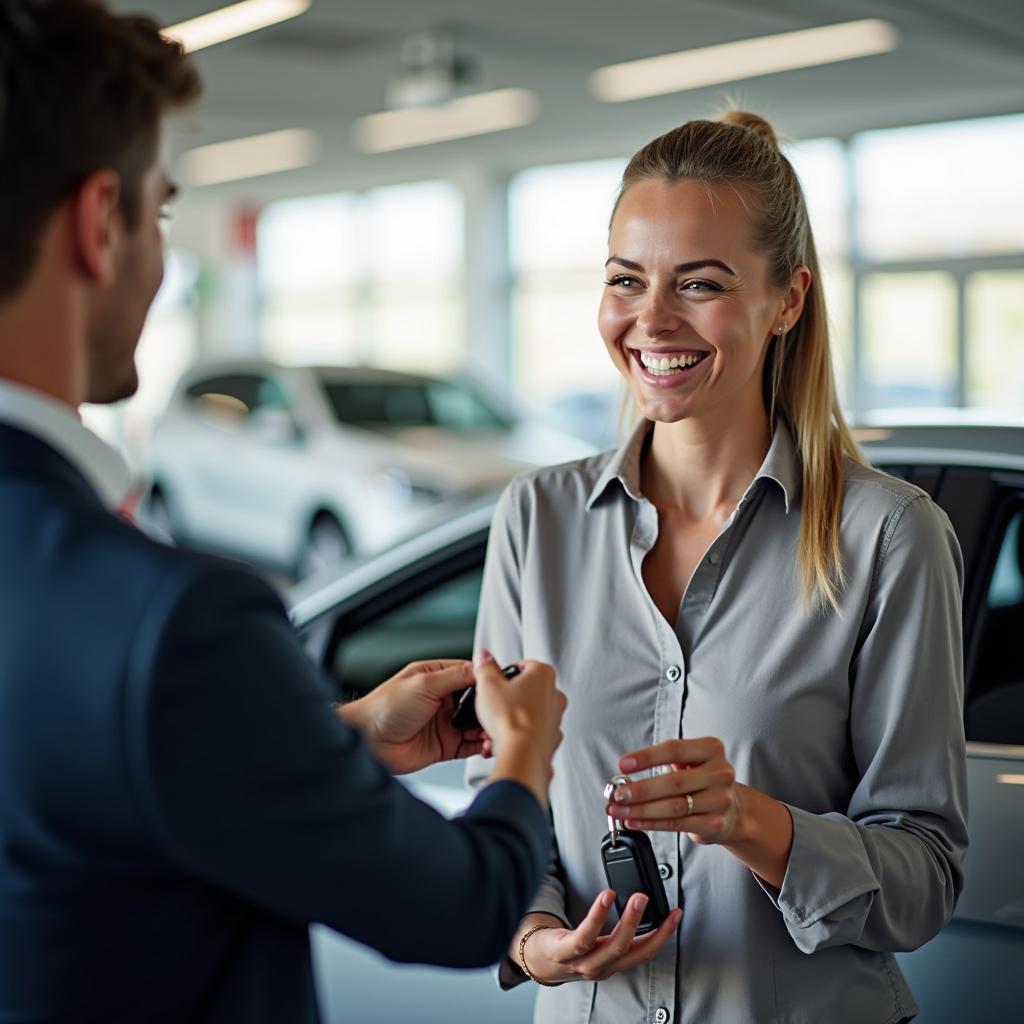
(829, 881)
(512, 802)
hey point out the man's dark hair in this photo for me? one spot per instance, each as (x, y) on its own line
(81, 89)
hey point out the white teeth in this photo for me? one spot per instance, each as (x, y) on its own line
(661, 365)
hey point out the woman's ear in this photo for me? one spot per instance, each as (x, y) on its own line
(795, 294)
(98, 226)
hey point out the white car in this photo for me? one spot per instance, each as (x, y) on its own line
(295, 467)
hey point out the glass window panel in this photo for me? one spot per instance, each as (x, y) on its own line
(941, 189)
(996, 693)
(410, 330)
(558, 216)
(309, 245)
(909, 325)
(837, 281)
(414, 231)
(321, 329)
(995, 340)
(558, 347)
(437, 624)
(368, 278)
(821, 166)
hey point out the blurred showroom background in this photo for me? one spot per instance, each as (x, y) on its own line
(424, 186)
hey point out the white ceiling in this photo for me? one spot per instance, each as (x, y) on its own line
(958, 58)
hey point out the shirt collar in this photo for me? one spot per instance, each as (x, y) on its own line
(780, 465)
(58, 425)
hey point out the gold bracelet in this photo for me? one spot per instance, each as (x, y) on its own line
(522, 957)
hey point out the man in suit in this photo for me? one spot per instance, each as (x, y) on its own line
(178, 798)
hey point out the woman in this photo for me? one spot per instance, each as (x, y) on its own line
(759, 628)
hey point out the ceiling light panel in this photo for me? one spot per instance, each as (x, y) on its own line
(250, 157)
(470, 115)
(747, 58)
(237, 20)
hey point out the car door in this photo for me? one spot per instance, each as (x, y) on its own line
(199, 454)
(972, 971)
(269, 476)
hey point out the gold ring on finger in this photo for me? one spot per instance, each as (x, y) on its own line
(689, 805)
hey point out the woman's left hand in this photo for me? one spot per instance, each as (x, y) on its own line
(700, 771)
(752, 826)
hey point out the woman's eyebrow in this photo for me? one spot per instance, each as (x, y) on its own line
(679, 268)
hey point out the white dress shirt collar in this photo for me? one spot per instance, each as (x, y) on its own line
(59, 426)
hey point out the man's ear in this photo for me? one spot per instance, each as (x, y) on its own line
(98, 226)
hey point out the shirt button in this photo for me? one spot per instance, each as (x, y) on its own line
(665, 871)
(661, 1015)
(713, 558)
(673, 673)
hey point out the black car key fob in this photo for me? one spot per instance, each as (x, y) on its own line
(464, 718)
(630, 867)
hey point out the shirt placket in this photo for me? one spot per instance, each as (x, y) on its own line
(668, 708)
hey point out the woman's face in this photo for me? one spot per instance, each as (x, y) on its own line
(687, 310)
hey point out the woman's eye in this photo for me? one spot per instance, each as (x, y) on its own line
(701, 286)
(622, 280)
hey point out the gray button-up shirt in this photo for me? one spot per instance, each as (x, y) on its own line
(854, 720)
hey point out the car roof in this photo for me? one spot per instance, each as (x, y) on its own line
(953, 443)
(344, 374)
(332, 374)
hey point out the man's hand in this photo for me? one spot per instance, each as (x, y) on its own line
(407, 720)
(522, 718)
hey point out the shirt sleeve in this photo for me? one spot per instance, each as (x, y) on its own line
(253, 784)
(886, 875)
(499, 629)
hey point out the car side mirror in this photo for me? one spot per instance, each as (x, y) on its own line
(274, 426)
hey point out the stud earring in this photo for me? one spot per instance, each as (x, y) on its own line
(782, 329)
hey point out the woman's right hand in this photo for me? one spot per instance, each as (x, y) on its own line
(556, 954)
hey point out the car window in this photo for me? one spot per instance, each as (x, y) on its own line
(270, 395)
(228, 395)
(995, 708)
(230, 399)
(438, 623)
(456, 407)
(375, 405)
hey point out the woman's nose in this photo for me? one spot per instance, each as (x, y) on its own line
(657, 316)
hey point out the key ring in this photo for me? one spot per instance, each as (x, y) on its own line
(609, 790)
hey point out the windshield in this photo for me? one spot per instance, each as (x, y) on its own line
(388, 405)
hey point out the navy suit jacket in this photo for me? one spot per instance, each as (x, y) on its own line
(178, 801)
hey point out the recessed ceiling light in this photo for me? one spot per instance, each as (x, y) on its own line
(237, 20)
(747, 58)
(250, 157)
(469, 115)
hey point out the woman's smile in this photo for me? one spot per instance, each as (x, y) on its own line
(669, 368)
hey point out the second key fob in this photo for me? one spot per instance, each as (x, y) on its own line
(464, 717)
(630, 867)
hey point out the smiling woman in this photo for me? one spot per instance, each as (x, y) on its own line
(737, 605)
